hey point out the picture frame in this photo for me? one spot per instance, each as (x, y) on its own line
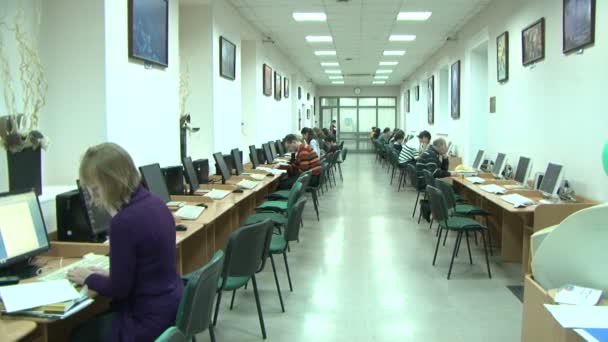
(286, 87)
(308, 113)
(417, 92)
(267, 80)
(277, 86)
(502, 57)
(533, 42)
(299, 93)
(149, 31)
(307, 96)
(455, 90)
(407, 101)
(227, 59)
(578, 24)
(430, 91)
(493, 104)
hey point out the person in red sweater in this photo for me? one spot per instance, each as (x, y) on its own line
(304, 158)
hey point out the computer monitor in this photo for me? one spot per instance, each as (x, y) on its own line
(268, 153)
(253, 155)
(478, 159)
(154, 181)
(238, 163)
(98, 219)
(174, 178)
(273, 148)
(280, 147)
(552, 179)
(221, 164)
(191, 176)
(523, 170)
(22, 232)
(499, 165)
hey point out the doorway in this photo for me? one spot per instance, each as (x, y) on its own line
(479, 114)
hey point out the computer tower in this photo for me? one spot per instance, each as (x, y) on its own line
(72, 219)
(201, 166)
(174, 177)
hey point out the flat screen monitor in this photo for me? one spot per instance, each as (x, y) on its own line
(221, 164)
(280, 147)
(174, 178)
(273, 148)
(499, 165)
(523, 170)
(253, 155)
(236, 159)
(22, 229)
(478, 159)
(154, 181)
(552, 179)
(268, 153)
(98, 219)
(191, 176)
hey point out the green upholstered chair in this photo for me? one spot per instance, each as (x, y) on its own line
(172, 335)
(297, 190)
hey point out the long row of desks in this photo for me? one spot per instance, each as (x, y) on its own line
(195, 247)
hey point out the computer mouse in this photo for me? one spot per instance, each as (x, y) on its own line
(202, 205)
(269, 175)
(181, 228)
(238, 191)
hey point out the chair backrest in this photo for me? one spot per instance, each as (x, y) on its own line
(247, 250)
(294, 194)
(448, 193)
(292, 230)
(344, 153)
(172, 335)
(305, 178)
(413, 176)
(428, 178)
(439, 207)
(194, 312)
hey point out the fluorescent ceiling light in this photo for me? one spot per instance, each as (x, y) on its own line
(312, 16)
(383, 71)
(378, 82)
(394, 53)
(325, 53)
(402, 37)
(333, 71)
(337, 82)
(414, 16)
(330, 64)
(319, 39)
(336, 77)
(388, 63)
(381, 77)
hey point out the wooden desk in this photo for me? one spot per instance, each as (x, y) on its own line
(512, 227)
(12, 331)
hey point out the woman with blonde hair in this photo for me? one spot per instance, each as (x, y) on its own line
(142, 280)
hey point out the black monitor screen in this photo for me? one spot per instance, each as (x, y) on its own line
(478, 159)
(253, 155)
(98, 218)
(236, 159)
(549, 184)
(498, 165)
(273, 149)
(280, 147)
(174, 178)
(268, 153)
(521, 173)
(221, 164)
(191, 176)
(154, 181)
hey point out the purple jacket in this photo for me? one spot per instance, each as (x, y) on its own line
(143, 284)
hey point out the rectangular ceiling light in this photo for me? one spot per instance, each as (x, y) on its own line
(337, 82)
(319, 39)
(394, 53)
(388, 63)
(383, 71)
(378, 82)
(381, 77)
(325, 53)
(414, 16)
(336, 77)
(333, 71)
(402, 38)
(309, 16)
(331, 64)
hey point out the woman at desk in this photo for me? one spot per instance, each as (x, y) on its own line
(142, 280)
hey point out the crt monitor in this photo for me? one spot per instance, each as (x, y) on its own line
(191, 176)
(552, 179)
(221, 164)
(154, 181)
(523, 170)
(22, 230)
(253, 155)
(281, 148)
(238, 163)
(478, 159)
(499, 165)
(98, 219)
(268, 153)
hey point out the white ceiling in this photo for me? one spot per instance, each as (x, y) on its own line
(360, 29)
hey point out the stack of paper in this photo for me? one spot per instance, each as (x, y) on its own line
(475, 180)
(577, 295)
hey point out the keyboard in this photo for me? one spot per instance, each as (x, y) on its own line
(517, 200)
(476, 180)
(493, 188)
(189, 212)
(514, 186)
(176, 204)
(217, 194)
(88, 260)
(271, 170)
(247, 184)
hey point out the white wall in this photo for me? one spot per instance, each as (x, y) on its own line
(552, 112)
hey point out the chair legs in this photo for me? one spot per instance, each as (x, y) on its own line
(469, 247)
(217, 306)
(456, 245)
(438, 241)
(486, 252)
(232, 300)
(287, 268)
(416, 204)
(315, 202)
(276, 281)
(340, 170)
(211, 333)
(259, 306)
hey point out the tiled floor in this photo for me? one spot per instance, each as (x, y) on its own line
(364, 273)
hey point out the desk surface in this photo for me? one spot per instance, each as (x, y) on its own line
(12, 331)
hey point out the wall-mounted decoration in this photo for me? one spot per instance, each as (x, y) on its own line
(502, 57)
(407, 101)
(267, 72)
(578, 24)
(417, 92)
(149, 31)
(533, 42)
(307, 96)
(430, 92)
(299, 120)
(299, 93)
(227, 59)
(286, 88)
(455, 91)
(314, 106)
(308, 113)
(277, 86)
(493, 104)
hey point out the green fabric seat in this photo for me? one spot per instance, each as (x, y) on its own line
(278, 244)
(468, 210)
(233, 283)
(276, 218)
(278, 195)
(273, 206)
(462, 223)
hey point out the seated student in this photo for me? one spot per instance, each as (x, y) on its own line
(435, 160)
(425, 139)
(330, 141)
(320, 138)
(409, 154)
(398, 141)
(376, 133)
(305, 159)
(334, 128)
(310, 138)
(142, 280)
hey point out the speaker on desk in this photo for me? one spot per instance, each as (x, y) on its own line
(174, 177)
(201, 166)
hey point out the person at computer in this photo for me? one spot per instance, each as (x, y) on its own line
(397, 141)
(424, 138)
(311, 139)
(330, 143)
(435, 160)
(142, 280)
(305, 159)
(385, 136)
(409, 153)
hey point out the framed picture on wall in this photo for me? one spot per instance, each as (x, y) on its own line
(502, 57)
(455, 90)
(227, 59)
(578, 24)
(308, 113)
(533, 42)
(277, 86)
(407, 101)
(299, 93)
(286, 87)
(307, 96)
(149, 31)
(267, 72)
(430, 92)
(417, 92)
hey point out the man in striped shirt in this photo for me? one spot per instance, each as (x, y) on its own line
(305, 159)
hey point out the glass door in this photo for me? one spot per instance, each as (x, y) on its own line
(348, 127)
